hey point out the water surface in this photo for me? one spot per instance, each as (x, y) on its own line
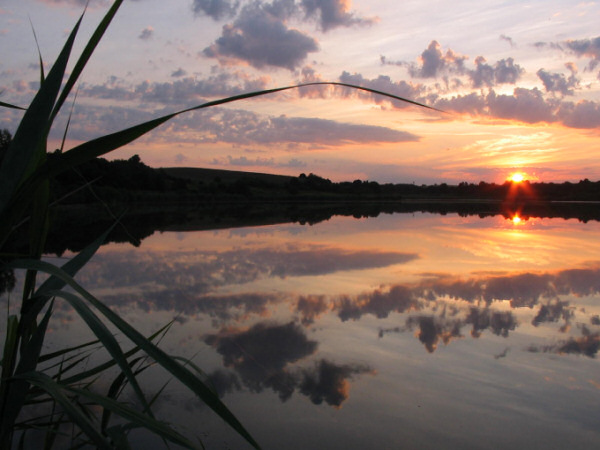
(401, 331)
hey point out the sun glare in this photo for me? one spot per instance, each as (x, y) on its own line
(516, 220)
(517, 177)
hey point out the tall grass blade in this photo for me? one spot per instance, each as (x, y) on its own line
(24, 155)
(37, 44)
(180, 372)
(111, 363)
(85, 56)
(8, 365)
(17, 389)
(72, 266)
(56, 391)
(164, 431)
(59, 353)
(8, 105)
(27, 144)
(108, 340)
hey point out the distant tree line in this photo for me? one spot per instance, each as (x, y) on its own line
(131, 180)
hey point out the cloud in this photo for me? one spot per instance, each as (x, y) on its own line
(508, 39)
(587, 345)
(382, 83)
(379, 303)
(263, 357)
(258, 162)
(184, 91)
(586, 47)
(215, 9)
(246, 128)
(178, 73)
(504, 71)
(552, 312)
(311, 307)
(328, 382)
(261, 39)
(433, 62)
(331, 14)
(583, 114)
(558, 83)
(433, 329)
(525, 105)
(499, 322)
(327, 132)
(146, 34)
(180, 158)
(261, 354)
(200, 273)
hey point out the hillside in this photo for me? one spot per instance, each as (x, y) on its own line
(226, 176)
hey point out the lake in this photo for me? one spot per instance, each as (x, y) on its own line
(412, 331)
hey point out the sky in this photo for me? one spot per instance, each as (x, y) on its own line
(518, 84)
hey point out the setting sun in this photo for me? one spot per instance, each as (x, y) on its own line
(517, 177)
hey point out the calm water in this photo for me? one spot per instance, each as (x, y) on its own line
(402, 331)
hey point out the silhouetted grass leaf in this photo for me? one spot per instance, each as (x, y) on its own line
(180, 372)
(56, 391)
(106, 337)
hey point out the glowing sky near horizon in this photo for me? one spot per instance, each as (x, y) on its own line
(519, 80)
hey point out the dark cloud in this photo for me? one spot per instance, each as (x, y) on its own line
(322, 260)
(220, 124)
(197, 276)
(328, 382)
(326, 132)
(499, 322)
(215, 9)
(261, 39)
(378, 303)
(587, 345)
(504, 71)
(332, 14)
(185, 91)
(263, 357)
(432, 330)
(261, 354)
(433, 62)
(146, 34)
(583, 114)
(558, 83)
(310, 307)
(525, 105)
(508, 39)
(586, 47)
(178, 73)
(281, 9)
(522, 290)
(224, 382)
(552, 312)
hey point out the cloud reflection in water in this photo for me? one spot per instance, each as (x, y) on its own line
(264, 357)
